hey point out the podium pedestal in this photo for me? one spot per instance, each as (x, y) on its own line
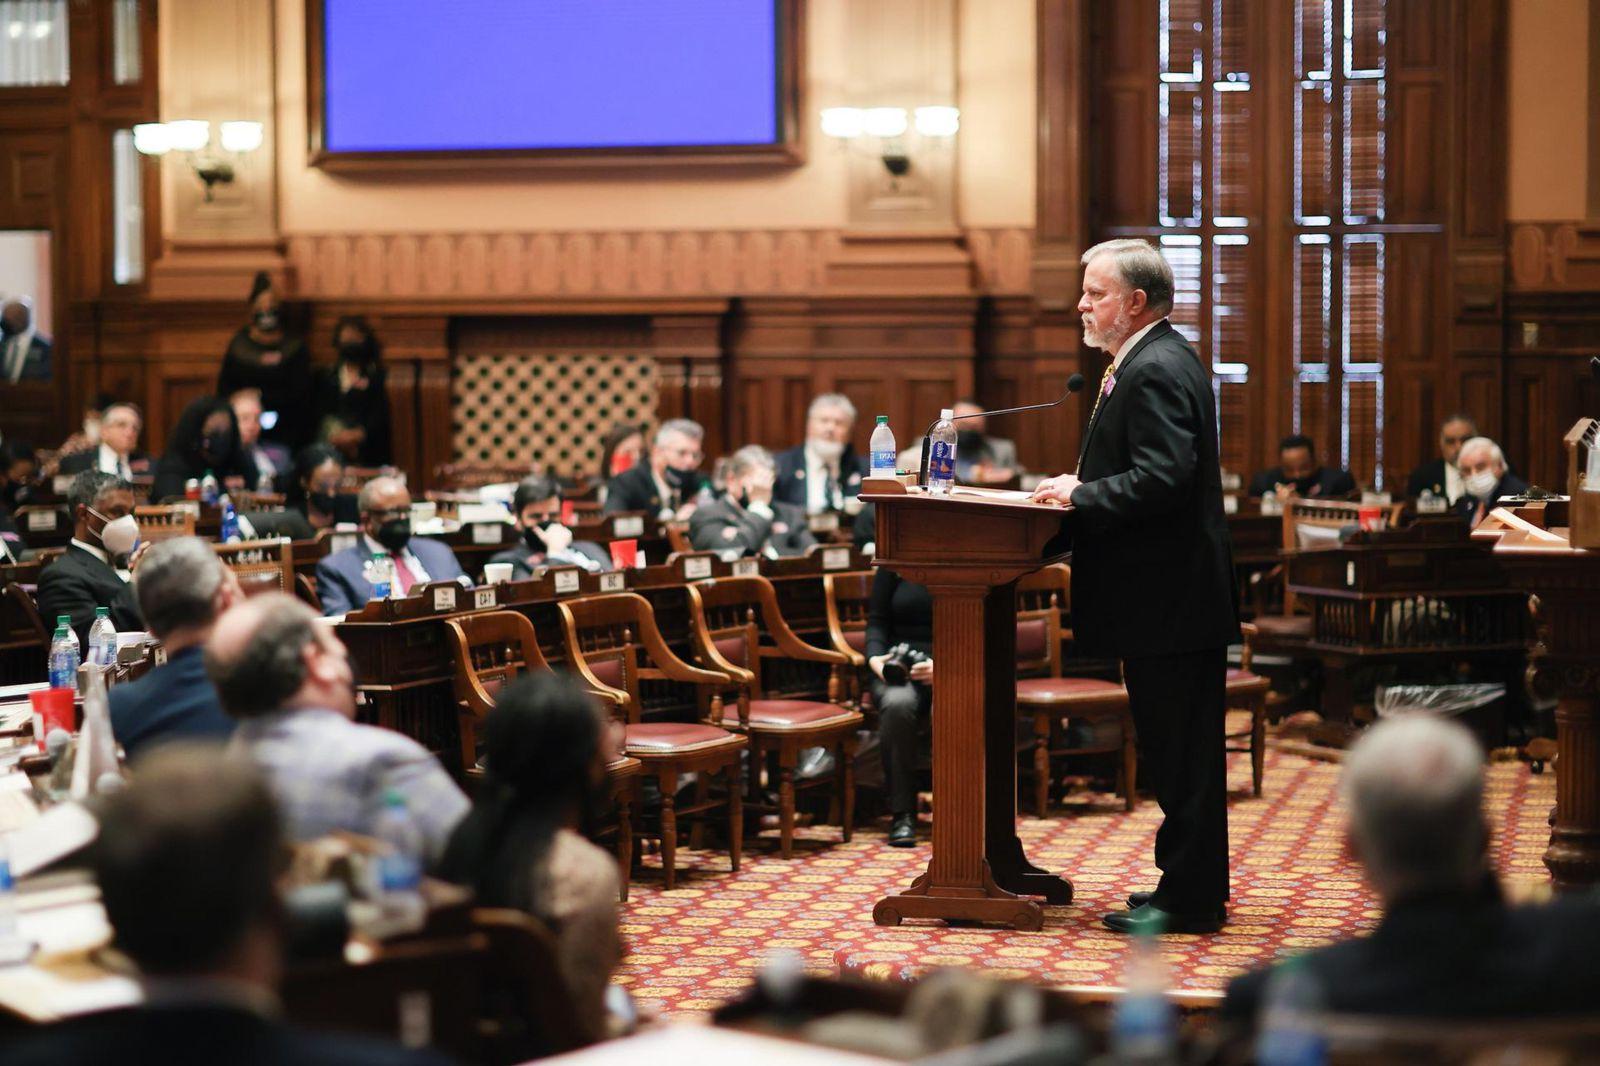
(969, 549)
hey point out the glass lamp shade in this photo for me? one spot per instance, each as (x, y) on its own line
(241, 136)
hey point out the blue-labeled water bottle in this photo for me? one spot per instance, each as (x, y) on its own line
(208, 488)
(64, 655)
(380, 575)
(230, 522)
(882, 449)
(399, 865)
(942, 454)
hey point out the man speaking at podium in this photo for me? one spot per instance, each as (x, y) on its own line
(1152, 571)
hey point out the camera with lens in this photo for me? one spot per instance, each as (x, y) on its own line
(901, 658)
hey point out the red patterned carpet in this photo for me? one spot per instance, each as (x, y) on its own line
(1293, 888)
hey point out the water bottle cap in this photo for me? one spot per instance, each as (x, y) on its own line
(102, 612)
(883, 420)
(947, 413)
(63, 619)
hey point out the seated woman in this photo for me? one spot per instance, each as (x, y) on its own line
(350, 408)
(206, 439)
(900, 612)
(545, 749)
(313, 502)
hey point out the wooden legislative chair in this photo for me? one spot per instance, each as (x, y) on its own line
(529, 1011)
(849, 598)
(45, 525)
(24, 639)
(162, 521)
(1248, 691)
(614, 645)
(493, 648)
(1050, 699)
(730, 617)
(261, 566)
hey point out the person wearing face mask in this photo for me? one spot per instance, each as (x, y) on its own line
(747, 520)
(1485, 478)
(1299, 474)
(669, 485)
(823, 474)
(206, 438)
(385, 506)
(95, 570)
(263, 356)
(313, 501)
(350, 406)
(1442, 476)
(536, 506)
(116, 449)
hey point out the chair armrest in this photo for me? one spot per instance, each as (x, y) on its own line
(790, 646)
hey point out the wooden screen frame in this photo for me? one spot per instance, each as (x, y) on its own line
(787, 151)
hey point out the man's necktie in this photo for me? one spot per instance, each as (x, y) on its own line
(1105, 389)
(402, 574)
(11, 365)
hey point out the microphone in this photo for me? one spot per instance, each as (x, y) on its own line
(1074, 384)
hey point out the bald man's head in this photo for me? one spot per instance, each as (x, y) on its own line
(271, 653)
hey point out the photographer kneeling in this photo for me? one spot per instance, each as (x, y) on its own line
(899, 640)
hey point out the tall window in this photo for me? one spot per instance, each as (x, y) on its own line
(33, 42)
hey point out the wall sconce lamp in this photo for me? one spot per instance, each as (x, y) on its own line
(191, 137)
(887, 126)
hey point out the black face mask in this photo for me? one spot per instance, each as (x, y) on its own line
(531, 537)
(215, 446)
(678, 478)
(394, 534)
(266, 321)
(358, 354)
(324, 502)
(968, 440)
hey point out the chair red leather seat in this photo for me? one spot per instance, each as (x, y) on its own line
(1284, 627)
(1067, 689)
(1238, 678)
(790, 713)
(676, 736)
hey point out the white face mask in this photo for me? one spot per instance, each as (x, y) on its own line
(119, 536)
(1481, 484)
(827, 450)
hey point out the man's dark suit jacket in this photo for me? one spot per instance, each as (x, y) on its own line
(1331, 484)
(789, 466)
(635, 490)
(175, 701)
(192, 1035)
(35, 364)
(1427, 476)
(1508, 485)
(77, 583)
(342, 584)
(1152, 567)
(523, 560)
(723, 524)
(1455, 957)
(78, 462)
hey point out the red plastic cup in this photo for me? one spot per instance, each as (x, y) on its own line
(1370, 518)
(52, 709)
(624, 554)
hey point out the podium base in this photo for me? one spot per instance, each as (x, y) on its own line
(993, 903)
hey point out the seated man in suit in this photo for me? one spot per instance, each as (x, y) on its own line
(187, 861)
(274, 464)
(670, 484)
(94, 571)
(1442, 476)
(980, 458)
(536, 505)
(285, 678)
(385, 505)
(1448, 946)
(118, 451)
(182, 587)
(1299, 474)
(747, 520)
(24, 355)
(823, 474)
(1485, 477)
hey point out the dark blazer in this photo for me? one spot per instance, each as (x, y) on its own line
(342, 584)
(524, 560)
(1508, 485)
(35, 364)
(1455, 957)
(723, 524)
(196, 1034)
(173, 472)
(1152, 566)
(77, 583)
(285, 523)
(635, 490)
(78, 462)
(789, 466)
(366, 408)
(175, 701)
(1331, 483)
(1429, 475)
(285, 385)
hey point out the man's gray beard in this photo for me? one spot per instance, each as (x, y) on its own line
(1112, 340)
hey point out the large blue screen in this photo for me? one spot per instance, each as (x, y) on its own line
(440, 75)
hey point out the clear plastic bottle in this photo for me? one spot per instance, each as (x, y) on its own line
(882, 449)
(399, 881)
(230, 521)
(1144, 1026)
(208, 488)
(8, 898)
(65, 655)
(380, 575)
(942, 454)
(1287, 1034)
(102, 638)
(1431, 503)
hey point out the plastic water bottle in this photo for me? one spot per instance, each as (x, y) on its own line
(883, 449)
(399, 866)
(1431, 503)
(208, 489)
(942, 454)
(230, 522)
(1144, 1026)
(65, 655)
(380, 575)
(102, 638)
(8, 898)
(1287, 1034)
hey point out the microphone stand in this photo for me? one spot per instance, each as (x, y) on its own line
(1074, 385)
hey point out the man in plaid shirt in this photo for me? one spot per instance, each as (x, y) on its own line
(283, 674)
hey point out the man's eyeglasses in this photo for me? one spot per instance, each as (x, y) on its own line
(393, 512)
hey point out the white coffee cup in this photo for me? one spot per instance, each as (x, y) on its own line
(496, 573)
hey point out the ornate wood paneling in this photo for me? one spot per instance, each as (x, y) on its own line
(1549, 339)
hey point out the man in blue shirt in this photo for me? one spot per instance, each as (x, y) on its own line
(182, 588)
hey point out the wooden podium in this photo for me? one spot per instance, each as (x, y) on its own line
(969, 549)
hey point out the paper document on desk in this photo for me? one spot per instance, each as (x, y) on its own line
(1009, 495)
(55, 834)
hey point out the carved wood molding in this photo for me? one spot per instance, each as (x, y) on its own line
(1563, 256)
(671, 263)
